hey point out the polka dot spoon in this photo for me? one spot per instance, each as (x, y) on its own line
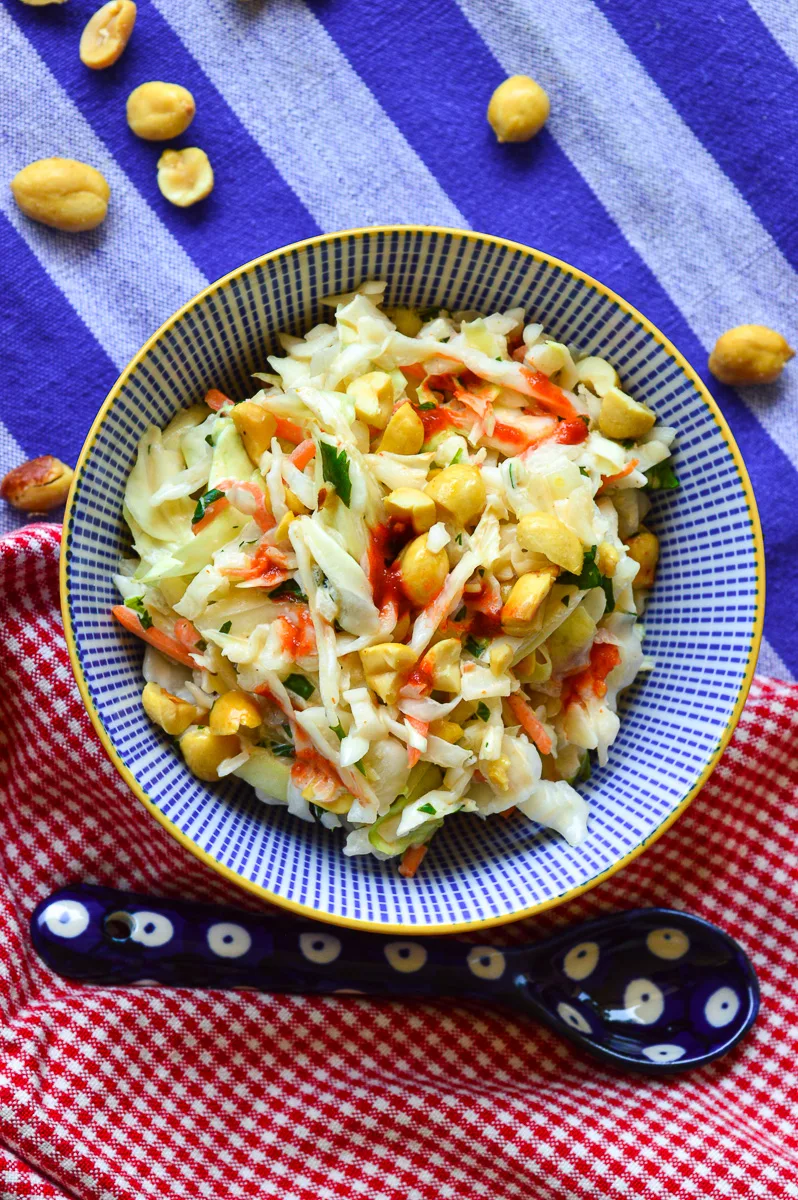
(651, 989)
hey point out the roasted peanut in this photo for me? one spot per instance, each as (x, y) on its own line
(448, 731)
(622, 417)
(404, 433)
(518, 109)
(170, 712)
(373, 397)
(422, 571)
(37, 486)
(406, 320)
(106, 34)
(607, 558)
(542, 533)
(501, 656)
(749, 354)
(63, 193)
(158, 111)
(413, 505)
(459, 493)
(234, 710)
(256, 427)
(521, 609)
(185, 176)
(597, 374)
(441, 664)
(386, 667)
(204, 752)
(644, 549)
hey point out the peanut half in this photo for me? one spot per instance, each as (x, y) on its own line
(185, 176)
(106, 34)
(37, 486)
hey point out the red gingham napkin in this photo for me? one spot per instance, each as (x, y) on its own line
(126, 1094)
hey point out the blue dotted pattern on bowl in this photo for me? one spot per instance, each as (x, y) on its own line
(701, 624)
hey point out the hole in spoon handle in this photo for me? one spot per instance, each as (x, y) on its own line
(99, 935)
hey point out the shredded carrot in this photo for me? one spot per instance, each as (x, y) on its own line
(155, 637)
(422, 727)
(411, 860)
(288, 429)
(609, 480)
(262, 515)
(304, 452)
(213, 510)
(215, 399)
(529, 721)
(187, 634)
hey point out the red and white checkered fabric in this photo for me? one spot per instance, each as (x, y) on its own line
(126, 1093)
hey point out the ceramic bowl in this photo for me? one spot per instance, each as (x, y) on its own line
(702, 626)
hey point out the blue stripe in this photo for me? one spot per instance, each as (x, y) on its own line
(43, 335)
(532, 193)
(251, 209)
(732, 83)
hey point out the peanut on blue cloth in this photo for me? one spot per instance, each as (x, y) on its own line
(666, 170)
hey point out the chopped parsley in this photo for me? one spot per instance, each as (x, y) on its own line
(204, 502)
(475, 647)
(427, 405)
(201, 645)
(584, 471)
(339, 731)
(137, 604)
(457, 457)
(209, 438)
(590, 577)
(228, 625)
(661, 478)
(289, 588)
(459, 539)
(300, 685)
(461, 614)
(335, 469)
(359, 767)
(427, 808)
(483, 712)
(512, 477)
(281, 749)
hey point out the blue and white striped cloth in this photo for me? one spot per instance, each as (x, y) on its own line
(667, 170)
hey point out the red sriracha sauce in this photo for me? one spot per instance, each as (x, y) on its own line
(571, 433)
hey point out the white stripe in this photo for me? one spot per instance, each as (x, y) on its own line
(770, 663)
(124, 278)
(309, 111)
(781, 19)
(11, 455)
(666, 193)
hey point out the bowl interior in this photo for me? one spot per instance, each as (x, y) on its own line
(702, 625)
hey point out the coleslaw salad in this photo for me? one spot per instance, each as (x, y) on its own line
(404, 580)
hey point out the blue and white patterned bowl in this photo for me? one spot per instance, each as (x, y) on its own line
(703, 623)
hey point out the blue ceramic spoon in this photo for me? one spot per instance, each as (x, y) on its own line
(651, 989)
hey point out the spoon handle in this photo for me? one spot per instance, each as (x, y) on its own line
(100, 935)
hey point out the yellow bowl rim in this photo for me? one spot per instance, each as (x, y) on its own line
(305, 910)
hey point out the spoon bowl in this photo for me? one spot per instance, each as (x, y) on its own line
(651, 989)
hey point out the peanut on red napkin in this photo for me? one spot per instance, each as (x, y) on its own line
(124, 1093)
